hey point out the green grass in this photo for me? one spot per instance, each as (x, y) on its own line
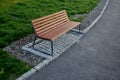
(16, 16)
(10, 67)
(15, 23)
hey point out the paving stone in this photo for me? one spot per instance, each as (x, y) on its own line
(59, 45)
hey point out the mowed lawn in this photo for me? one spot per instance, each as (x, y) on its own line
(15, 23)
(10, 67)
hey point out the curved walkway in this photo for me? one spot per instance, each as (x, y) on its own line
(96, 57)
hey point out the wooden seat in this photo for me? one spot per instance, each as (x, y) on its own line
(53, 34)
(53, 26)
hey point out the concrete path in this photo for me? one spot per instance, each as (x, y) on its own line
(96, 57)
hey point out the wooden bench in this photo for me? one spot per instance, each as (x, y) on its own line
(53, 26)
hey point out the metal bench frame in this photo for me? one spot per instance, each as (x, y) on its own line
(51, 42)
(52, 50)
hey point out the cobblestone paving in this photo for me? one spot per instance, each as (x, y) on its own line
(59, 45)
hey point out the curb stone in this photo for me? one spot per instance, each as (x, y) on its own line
(27, 74)
(97, 19)
(47, 61)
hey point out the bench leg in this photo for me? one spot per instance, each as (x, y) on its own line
(51, 47)
(80, 29)
(34, 41)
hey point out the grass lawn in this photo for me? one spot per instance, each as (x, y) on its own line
(15, 23)
(10, 67)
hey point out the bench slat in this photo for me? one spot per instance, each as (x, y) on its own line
(51, 23)
(52, 26)
(47, 23)
(55, 33)
(51, 15)
(48, 19)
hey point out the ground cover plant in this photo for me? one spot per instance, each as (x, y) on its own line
(15, 23)
(16, 15)
(11, 67)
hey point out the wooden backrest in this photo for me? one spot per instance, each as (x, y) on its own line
(46, 23)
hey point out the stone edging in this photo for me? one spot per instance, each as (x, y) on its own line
(47, 61)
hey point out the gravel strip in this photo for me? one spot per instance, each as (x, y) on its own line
(92, 15)
(15, 48)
